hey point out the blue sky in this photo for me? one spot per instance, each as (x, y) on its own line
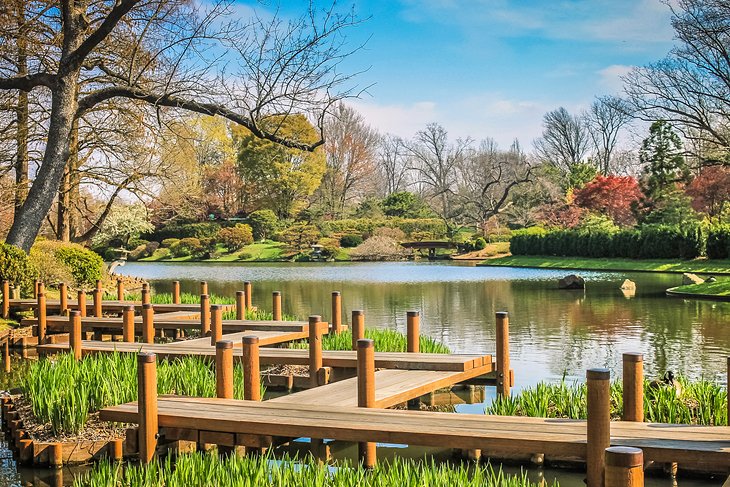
(494, 67)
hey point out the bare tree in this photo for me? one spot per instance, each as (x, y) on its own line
(436, 164)
(169, 54)
(691, 87)
(605, 119)
(392, 164)
(564, 140)
(350, 148)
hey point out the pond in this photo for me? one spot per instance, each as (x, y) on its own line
(553, 333)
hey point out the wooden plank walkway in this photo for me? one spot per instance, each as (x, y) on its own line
(109, 306)
(265, 338)
(285, 356)
(516, 435)
(391, 387)
(169, 321)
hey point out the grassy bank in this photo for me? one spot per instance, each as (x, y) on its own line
(385, 341)
(700, 266)
(700, 402)
(266, 470)
(720, 288)
(266, 251)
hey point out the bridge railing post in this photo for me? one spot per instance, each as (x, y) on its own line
(6, 299)
(224, 369)
(204, 315)
(240, 305)
(41, 313)
(128, 324)
(598, 424)
(148, 323)
(276, 306)
(504, 373)
(6, 355)
(120, 290)
(248, 289)
(97, 298)
(175, 292)
(633, 387)
(358, 326)
(146, 296)
(251, 368)
(366, 394)
(81, 302)
(315, 349)
(204, 287)
(74, 333)
(216, 323)
(147, 389)
(62, 298)
(413, 331)
(336, 312)
(624, 467)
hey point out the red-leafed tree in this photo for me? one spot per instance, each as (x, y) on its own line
(710, 191)
(612, 196)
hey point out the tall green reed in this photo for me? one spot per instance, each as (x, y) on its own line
(385, 341)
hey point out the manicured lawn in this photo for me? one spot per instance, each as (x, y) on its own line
(257, 252)
(719, 288)
(580, 263)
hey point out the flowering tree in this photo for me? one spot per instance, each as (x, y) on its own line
(710, 191)
(611, 196)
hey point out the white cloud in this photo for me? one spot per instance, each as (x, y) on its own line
(610, 77)
(397, 119)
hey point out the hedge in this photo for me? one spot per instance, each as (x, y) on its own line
(85, 266)
(718, 242)
(185, 230)
(16, 267)
(647, 242)
(366, 226)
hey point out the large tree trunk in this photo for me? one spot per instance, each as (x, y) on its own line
(68, 193)
(45, 186)
(22, 116)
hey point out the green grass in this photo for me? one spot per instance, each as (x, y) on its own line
(700, 402)
(719, 288)
(266, 251)
(579, 263)
(265, 470)
(63, 392)
(385, 341)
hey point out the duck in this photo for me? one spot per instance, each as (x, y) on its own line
(667, 380)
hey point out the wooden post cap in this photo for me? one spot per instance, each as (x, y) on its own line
(223, 344)
(74, 312)
(147, 306)
(365, 343)
(335, 293)
(146, 357)
(315, 318)
(276, 293)
(247, 283)
(502, 314)
(598, 374)
(250, 340)
(624, 456)
(633, 357)
(203, 296)
(130, 308)
(216, 307)
(357, 312)
(413, 313)
(239, 293)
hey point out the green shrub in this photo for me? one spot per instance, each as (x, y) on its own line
(16, 267)
(233, 238)
(350, 241)
(185, 230)
(718, 242)
(169, 242)
(144, 250)
(84, 265)
(136, 242)
(479, 243)
(186, 247)
(263, 223)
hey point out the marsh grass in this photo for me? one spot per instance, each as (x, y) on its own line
(63, 392)
(701, 402)
(266, 470)
(385, 341)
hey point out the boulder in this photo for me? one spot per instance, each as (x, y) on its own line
(688, 278)
(572, 281)
(628, 285)
(711, 279)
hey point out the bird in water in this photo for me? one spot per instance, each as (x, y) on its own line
(667, 380)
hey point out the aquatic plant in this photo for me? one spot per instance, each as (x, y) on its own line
(385, 341)
(701, 402)
(266, 470)
(64, 393)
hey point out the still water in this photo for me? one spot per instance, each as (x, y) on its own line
(553, 333)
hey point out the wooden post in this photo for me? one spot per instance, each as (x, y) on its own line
(358, 326)
(240, 305)
(128, 324)
(145, 286)
(204, 315)
(175, 292)
(727, 387)
(97, 297)
(203, 287)
(74, 338)
(315, 349)
(251, 368)
(35, 289)
(63, 298)
(116, 450)
(624, 467)
(366, 393)
(413, 332)
(120, 290)
(224, 369)
(216, 323)
(336, 312)
(81, 302)
(98, 285)
(41, 314)
(247, 289)
(633, 385)
(6, 355)
(503, 366)
(598, 424)
(146, 296)
(276, 305)
(148, 323)
(147, 387)
(55, 455)
(6, 299)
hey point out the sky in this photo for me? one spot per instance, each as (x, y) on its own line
(492, 68)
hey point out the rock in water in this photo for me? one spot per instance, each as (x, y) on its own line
(572, 281)
(688, 278)
(628, 285)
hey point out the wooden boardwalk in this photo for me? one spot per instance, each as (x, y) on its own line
(233, 422)
(284, 356)
(392, 387)
(109, 306)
